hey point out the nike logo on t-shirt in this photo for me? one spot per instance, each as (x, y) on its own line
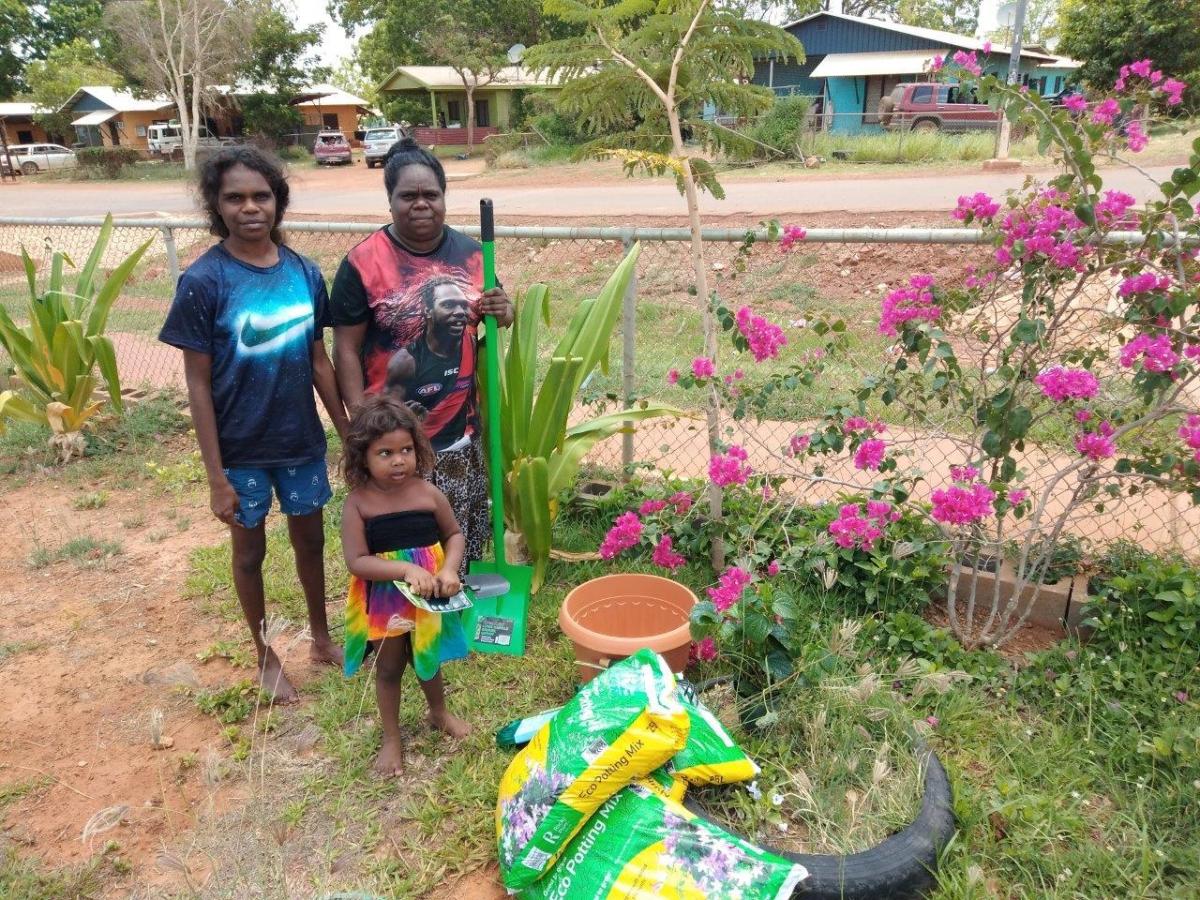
(255, 334)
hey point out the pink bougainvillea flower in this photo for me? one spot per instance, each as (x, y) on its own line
(965, 474)
(673, 377)
(855, 423)
(937, 64)
(729, 468)
(703, 650)
(1189, 432)
(933, 721)
(791, 234)
(958, 505)
(650, 507)
(1113, 206)
(853, 529)
(1174, 91)
(798, 444)
(882, 512)
(1017, 496)
(1097, 444)
(1076, 103)
(730, 587)
(987, 46)
(1136, 137)
(1155, 353)
(969, 61)
(870, 454)
(665, 555)
(682, 501)
(1083, 415)
(979, 206)
(1144, 283)
(1105, 111)
(626, 531)
(1192, 351)
(773, 568)
(765, 338)
(1059, 384)
(703, 367)
(909, 303)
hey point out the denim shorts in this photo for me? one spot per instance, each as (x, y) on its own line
(301, 489)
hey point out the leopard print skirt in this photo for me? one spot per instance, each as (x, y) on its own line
(462, 477)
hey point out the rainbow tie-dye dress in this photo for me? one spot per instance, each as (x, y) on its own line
(377, 610)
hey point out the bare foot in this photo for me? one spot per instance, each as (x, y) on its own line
(390, 761)
(326, 653)
(450, 724)
(274, 682)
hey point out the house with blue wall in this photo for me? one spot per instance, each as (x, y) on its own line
(852, 63)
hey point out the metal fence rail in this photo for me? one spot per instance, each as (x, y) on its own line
(836, 271)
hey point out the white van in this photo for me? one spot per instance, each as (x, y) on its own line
(165, 139)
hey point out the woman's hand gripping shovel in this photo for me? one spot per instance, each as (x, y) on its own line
(496, 621)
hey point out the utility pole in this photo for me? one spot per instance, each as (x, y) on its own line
(1014, 67)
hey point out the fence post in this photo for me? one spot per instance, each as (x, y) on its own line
(172, 253)
(628, 359)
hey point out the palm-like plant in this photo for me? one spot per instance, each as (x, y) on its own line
(57, 353)
(541, 455)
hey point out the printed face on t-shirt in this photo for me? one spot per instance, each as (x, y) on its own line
(450, 310)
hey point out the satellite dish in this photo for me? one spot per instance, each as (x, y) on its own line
(1006, 15)
(515, 52)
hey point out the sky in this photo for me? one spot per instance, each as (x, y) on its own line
(335, 45)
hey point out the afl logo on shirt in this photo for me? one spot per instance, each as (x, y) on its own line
(428, 390)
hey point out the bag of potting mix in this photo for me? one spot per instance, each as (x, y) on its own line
(622, 725)
(710, 756)
(641, 844)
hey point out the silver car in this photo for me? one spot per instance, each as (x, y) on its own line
(378, 141)
(30, 159)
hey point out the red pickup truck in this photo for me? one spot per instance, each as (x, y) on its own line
(925, 106)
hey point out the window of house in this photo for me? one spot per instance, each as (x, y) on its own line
(24, 137)
(141, 131)
(1058, 80)
(330, 121)
(482, 118)
(453, 111)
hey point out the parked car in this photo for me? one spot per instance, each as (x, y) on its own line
(377, 142)
(332, 147)
(29, 159)
(922, 106)
(166, 140)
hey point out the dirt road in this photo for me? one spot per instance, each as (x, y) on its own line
(556, 194)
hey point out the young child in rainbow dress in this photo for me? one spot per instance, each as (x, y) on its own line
(396, 526)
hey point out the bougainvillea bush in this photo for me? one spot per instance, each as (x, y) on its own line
(1077, 320)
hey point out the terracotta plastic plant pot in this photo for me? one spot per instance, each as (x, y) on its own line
(612, 617)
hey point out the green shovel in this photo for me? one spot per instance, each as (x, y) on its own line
(496, 624)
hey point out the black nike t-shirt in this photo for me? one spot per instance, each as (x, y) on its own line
(258, 325)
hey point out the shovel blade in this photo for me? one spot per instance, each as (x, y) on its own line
(497, 624)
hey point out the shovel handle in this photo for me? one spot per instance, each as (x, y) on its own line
(487, 234)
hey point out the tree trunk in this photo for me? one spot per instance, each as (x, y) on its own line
(712, 408)
(470, 118)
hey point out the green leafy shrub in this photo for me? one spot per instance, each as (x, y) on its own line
(782, 127)
(1152, 607)
(109, 160)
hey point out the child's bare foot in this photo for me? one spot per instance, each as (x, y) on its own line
(390, 761)
(274, 682)
(326, 653)
(450, 724)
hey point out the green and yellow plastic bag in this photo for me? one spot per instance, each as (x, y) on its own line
(642, 844)
(710, 756)
(622, 725)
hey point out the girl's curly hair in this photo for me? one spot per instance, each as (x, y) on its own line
(378, 415)
(213, 170)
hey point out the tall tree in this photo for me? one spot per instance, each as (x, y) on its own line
(1106, 34)
(183, 48)
(944, 15)
(279, 63)
(15, 26)
(29, 31)
(477, 57)
(661, 60)
(53, 80)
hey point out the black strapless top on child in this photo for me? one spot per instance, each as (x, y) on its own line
(402, 531)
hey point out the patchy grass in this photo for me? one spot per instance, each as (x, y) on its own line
(11, 649)
(91, 500)
(82, 551)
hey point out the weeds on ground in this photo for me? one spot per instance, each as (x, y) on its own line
(236, 653)
(82, 551)
(232, 704)
(91, 500)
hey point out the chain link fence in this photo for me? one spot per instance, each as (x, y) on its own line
(840, 273)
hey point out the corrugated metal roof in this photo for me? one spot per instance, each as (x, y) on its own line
(120, 100)
(330, 95)
(445, 78)
(930, 34)
(899, 62)
(96, 118)
(14, 108)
